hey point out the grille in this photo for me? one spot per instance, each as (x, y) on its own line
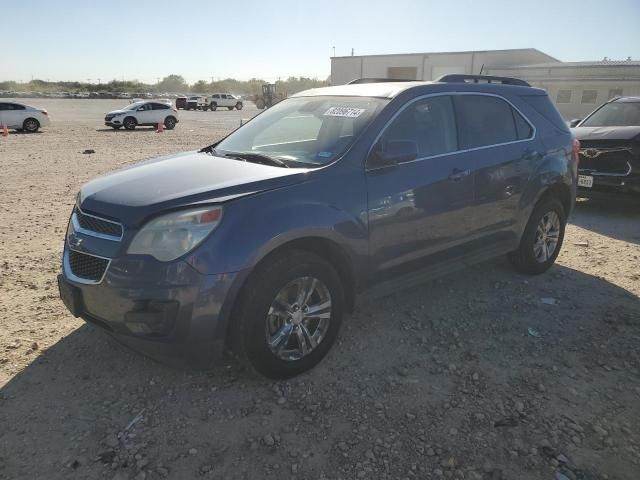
(98, 225)
(613, 162)
(108, 118)
(87, 266)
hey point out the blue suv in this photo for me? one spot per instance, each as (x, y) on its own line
(260, 242)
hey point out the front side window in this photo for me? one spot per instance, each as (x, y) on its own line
(304, 131)
(484, 120)
(615, 114)
(430, 123)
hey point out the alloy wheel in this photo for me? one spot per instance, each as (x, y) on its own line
(298, 319)
(547, 236)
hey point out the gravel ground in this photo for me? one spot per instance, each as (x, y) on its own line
(441, 381)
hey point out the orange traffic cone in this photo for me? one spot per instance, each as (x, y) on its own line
(160, 127)
(5, 131)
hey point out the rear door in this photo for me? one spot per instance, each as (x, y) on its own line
(159, 112)
(502, 141)
(420, 207)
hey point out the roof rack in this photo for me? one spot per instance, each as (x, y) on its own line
(378, 80)
(459, 78)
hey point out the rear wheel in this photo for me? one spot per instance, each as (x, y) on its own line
(260, 103)
(170, 123)
(130, 123)
(205, 108)
(289, 314)
(31, 125)
(542, 238)
(238, 106)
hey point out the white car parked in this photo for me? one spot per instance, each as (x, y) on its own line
(224, 100)
(23, 117)
(143, 113)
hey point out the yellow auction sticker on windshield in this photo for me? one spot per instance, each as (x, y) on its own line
(348, 112)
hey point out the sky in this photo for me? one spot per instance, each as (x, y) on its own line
(199, 39)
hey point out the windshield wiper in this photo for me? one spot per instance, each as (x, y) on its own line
(256, 158)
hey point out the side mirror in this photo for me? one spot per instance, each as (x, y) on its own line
(574, 122)
(393, 152)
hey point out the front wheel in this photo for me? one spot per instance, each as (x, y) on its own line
(213, 106)
(130, 123)
(31, 125)
(170, 123)
(230, 108)
(289, 314)
(238, 106)
(542, 238)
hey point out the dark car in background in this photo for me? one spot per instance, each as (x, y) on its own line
(610, 148)
(181, 102)
(261, 242)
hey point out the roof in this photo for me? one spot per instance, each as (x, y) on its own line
(392, 89)
(627, 99)
(508, 50)
(380, 90)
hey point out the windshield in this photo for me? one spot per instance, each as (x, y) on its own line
(310, 131)
(616, 114)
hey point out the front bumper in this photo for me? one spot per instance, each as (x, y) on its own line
(618, 184)
(168, 311)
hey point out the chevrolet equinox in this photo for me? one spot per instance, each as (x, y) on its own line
(260, 242)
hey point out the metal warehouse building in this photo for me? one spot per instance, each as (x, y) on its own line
(576, 87)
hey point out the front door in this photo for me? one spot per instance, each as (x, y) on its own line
(422, 206)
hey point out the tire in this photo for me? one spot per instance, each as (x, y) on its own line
(230, 108)
(205, 108)
(31, 125)
(279, 280)
(260, 103)
(116, 127)
(213, 106)
(533, 256)
(170, 123)
(130, 123)
(239, 106)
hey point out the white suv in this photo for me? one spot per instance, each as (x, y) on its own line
(224, 100)
(22, 117)
(143, 113)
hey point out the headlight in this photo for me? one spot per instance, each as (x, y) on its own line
(171, 236)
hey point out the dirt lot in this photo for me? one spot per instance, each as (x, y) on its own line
(442, 381)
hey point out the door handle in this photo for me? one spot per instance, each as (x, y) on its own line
(457, 174)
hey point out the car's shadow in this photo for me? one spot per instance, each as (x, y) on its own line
(86, 388)
(615, 217)
(120, 130)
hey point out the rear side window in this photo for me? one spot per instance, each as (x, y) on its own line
(14, 106)
(523, 129)
(430, 123)
(483, 121)
(160, 106)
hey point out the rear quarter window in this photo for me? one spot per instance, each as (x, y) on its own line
(543, 106)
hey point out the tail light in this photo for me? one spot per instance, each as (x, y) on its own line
(576, 150)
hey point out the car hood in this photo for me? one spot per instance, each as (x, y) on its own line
(118, 112)
(606, 133)
(133, 194)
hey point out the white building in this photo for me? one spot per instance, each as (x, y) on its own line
(576, 87)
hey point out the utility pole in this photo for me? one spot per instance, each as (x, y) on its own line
(99, 82)
(334, 51)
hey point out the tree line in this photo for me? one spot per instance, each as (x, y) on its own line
(169, 84)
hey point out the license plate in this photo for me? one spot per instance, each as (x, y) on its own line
(70, 296)
(585, 181)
